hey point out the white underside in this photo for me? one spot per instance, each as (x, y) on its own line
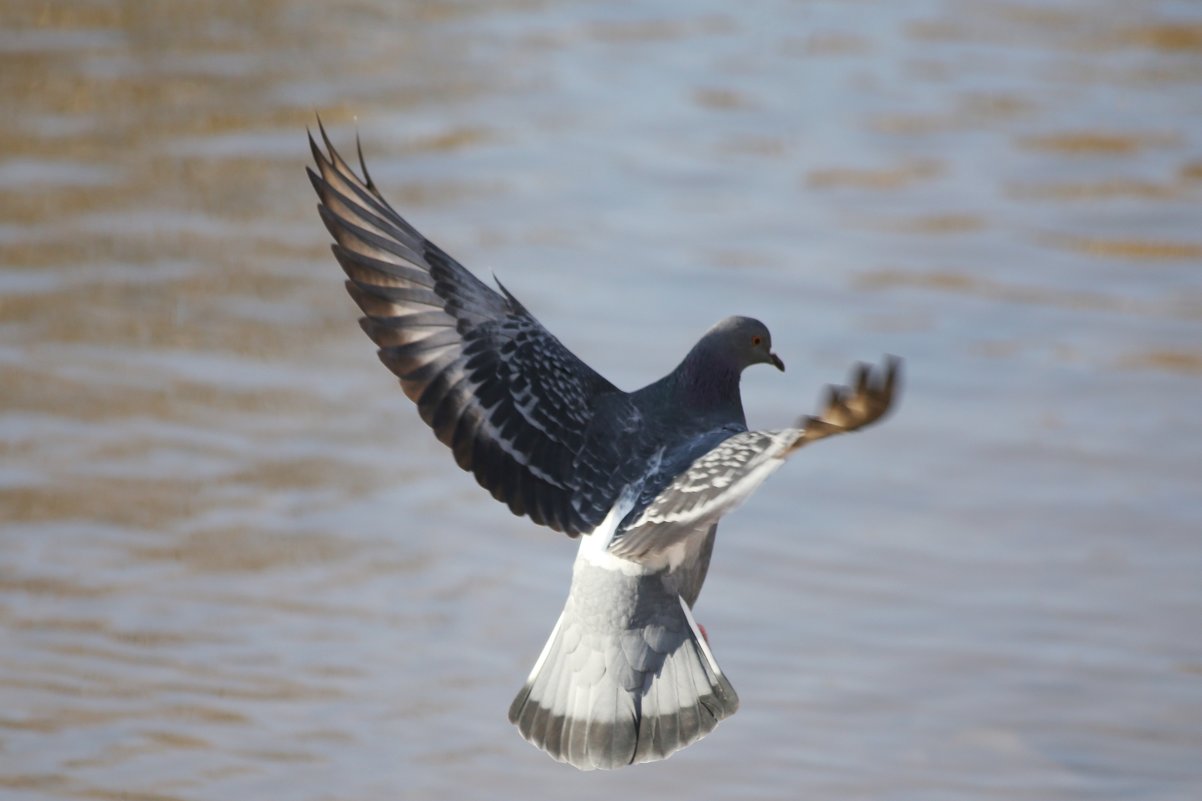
(594, 546)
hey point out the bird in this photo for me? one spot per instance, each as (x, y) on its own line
(640, 478)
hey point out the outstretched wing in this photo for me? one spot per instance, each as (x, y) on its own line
(726, 475)
(505, 395)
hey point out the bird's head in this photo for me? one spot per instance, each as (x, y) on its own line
(744, 341)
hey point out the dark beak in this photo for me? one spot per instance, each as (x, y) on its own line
(776, 362)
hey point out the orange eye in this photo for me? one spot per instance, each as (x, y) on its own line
(756, 340)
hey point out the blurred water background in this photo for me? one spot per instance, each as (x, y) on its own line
(234, 564)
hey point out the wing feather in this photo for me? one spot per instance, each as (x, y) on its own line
(513, 404)
(726, 474)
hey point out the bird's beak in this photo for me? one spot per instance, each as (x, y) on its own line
(776, 362)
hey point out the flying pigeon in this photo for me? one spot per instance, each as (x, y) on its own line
(642, 478)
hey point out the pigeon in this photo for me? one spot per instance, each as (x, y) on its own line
(641, 478)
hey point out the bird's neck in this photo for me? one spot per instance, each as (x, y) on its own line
(708, 388)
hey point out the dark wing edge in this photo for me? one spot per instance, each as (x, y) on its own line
(506, 396)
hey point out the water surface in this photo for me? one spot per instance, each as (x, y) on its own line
(233, 563)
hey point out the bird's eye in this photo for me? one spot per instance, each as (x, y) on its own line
(756, 340)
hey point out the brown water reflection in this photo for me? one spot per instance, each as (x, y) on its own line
(234, 565)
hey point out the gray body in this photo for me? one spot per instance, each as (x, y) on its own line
(641, 477)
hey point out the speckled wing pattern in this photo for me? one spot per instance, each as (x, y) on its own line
(727, 474)
(496, 387)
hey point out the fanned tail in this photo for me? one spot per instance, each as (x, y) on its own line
(604, 697)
